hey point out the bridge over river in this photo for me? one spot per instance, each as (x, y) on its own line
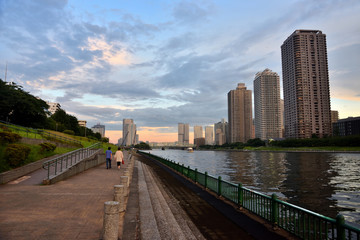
(160, 205)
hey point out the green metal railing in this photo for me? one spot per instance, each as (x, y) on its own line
(296, 220)
(40, 133)
(65, 161)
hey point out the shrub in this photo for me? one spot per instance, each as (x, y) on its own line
(70, 132)
(47, 147)
(9, 137)
(16, 154)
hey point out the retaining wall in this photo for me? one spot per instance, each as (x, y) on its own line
(97, 159)
(13, 174)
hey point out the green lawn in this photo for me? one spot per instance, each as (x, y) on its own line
(36, 154)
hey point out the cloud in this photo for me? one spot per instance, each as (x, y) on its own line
(174, 64)
(190, 12)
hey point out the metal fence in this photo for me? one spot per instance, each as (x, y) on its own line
(296, 220)
(39, 133)
(65, 161)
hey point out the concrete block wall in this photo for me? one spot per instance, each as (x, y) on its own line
(81, 166)
(13, 174)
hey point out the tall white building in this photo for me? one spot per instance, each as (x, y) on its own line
(183, 134)
(267, 105)
(209, 135)
(129, 132)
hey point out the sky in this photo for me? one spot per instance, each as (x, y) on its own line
(166, 62)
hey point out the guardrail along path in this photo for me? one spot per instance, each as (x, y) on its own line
(170, 210)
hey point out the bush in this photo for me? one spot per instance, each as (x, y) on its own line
(16, 154)
(47, 147)
(9, 137)
(70, 132)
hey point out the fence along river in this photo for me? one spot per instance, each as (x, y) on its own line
(326, 183)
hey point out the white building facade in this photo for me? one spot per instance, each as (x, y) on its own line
(267, 105)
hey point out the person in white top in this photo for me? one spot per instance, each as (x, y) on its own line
(119, 157)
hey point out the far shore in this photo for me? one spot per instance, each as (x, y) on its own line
(355, 150)
(282, 150)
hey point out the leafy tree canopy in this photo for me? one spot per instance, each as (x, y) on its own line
(20, 107)
(143, 146)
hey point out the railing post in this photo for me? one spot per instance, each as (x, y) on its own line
(240, 195)
(61, 165)
(274, 209)
(56, 163)
(48, 171)
(219, 185)
(196, 175)
(340, 230)
(206, 179)
(188, 175)
(182, 169)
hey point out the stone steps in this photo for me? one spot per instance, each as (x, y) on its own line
(161, 217)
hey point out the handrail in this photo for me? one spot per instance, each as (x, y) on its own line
(65, 161)
(294, 219)
(40, 132)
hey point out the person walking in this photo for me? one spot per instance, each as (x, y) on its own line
(108, 155)
(119, 157)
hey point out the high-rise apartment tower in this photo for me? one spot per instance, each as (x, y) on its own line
(221, 132)
(267, 105)
(198, 132)
(129, 132)
(306, 85)
(240, 114)
(209, 135)
(183, 133)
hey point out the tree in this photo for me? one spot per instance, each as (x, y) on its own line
(20, 107)
(65, 121)
(256, 142)
(143, 146)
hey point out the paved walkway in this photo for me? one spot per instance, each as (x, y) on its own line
(70, 209)
(159, 206)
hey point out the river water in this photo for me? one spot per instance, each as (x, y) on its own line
(326, 183)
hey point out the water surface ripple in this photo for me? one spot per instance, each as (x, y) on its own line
(326, 183)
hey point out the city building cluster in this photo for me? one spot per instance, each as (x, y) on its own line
(304, 112)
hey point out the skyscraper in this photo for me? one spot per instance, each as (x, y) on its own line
(183, 133)
(129, 132)
(221, 132)
(240, 114)
(306, 85)
(267, 105)
(198, 132)
(209, 135)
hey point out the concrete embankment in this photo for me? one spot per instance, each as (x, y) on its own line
(166, 201)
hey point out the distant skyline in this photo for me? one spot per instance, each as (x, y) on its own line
(165, 62)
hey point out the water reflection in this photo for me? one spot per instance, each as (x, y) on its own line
(308, 182)
(327, 183)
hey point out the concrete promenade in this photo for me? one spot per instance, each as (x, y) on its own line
(159, 206)
(70, 209)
